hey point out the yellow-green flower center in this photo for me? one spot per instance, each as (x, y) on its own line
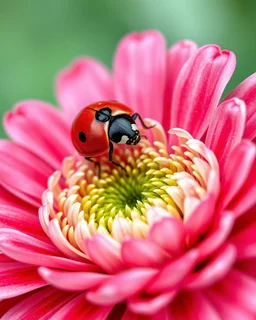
(130, 192)
(152, 178)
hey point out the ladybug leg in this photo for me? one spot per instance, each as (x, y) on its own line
(136, 115)
(96, 163)
(110, 156)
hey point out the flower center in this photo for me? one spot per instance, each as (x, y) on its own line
(128, 194)
(117, 203)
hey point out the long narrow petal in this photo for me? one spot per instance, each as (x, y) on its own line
(140, 73)
(122, 286)
(199, 87)
(17, 278)
(245, 242)
(227, 309)
(72, 281)
(151, 305)
(178, 269)
(22, 173)
(18, 219)
(20, 156)
(217, 235)
(241, 161)
(169, 234)
(7, 304)
(246, 91)
(192, 306)
(57, 237)
(144, 253)
(40, 305)
(162, 314)
(215, 270)
(200, 219)
(226, 129)
(105, 252)
(9, 199)
(28, 249)
(177, 55)
(41, 129)
(247, 267)
(245, 199)
(84, 82)
(80, 309)
(239, 289)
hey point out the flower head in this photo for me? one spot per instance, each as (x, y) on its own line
(170, 237)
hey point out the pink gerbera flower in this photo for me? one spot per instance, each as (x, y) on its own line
(174, 237)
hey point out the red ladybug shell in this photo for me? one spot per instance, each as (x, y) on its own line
(96, 132)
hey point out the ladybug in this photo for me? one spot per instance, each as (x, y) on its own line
(101, 124)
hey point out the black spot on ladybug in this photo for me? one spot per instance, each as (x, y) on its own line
(82, 136)
(103, 115)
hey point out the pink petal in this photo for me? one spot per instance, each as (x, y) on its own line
(151, 305)
(4, 258)
(245, 198)
(22, 173)
(140, 73)
(121, 286)
(226, 129)
(246, 91)
(248, 267)
(193, 306)
(41, 129)
(27, 198)
(240, 161)
(105, 252)
(9, 199)
(17, 278)
(72, 281)
(7, 304)
(169, 234)
(144, 253)
(84, 82)
(157, 132)
(245, 242)
(18, 219)
(41, 305)
(178, 54)
(79, 309)
(245, 220)
(217, 235)
(228, 310)
(215, 269)
(19, 156)
(239, 289)
(199, 87)
(162, 314)
(57, 237)
(200, 219)
(178, 269)
(25, 248)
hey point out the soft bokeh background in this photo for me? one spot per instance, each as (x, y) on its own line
(38, 38)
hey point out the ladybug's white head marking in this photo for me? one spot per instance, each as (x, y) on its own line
(134, 127)
(123, 140)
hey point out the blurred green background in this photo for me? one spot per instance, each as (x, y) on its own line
(38, 38)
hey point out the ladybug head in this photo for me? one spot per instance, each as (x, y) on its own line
(123, 130)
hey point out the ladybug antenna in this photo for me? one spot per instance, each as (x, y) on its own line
(92, 109)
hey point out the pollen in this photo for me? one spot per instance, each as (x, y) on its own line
(116, 203)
